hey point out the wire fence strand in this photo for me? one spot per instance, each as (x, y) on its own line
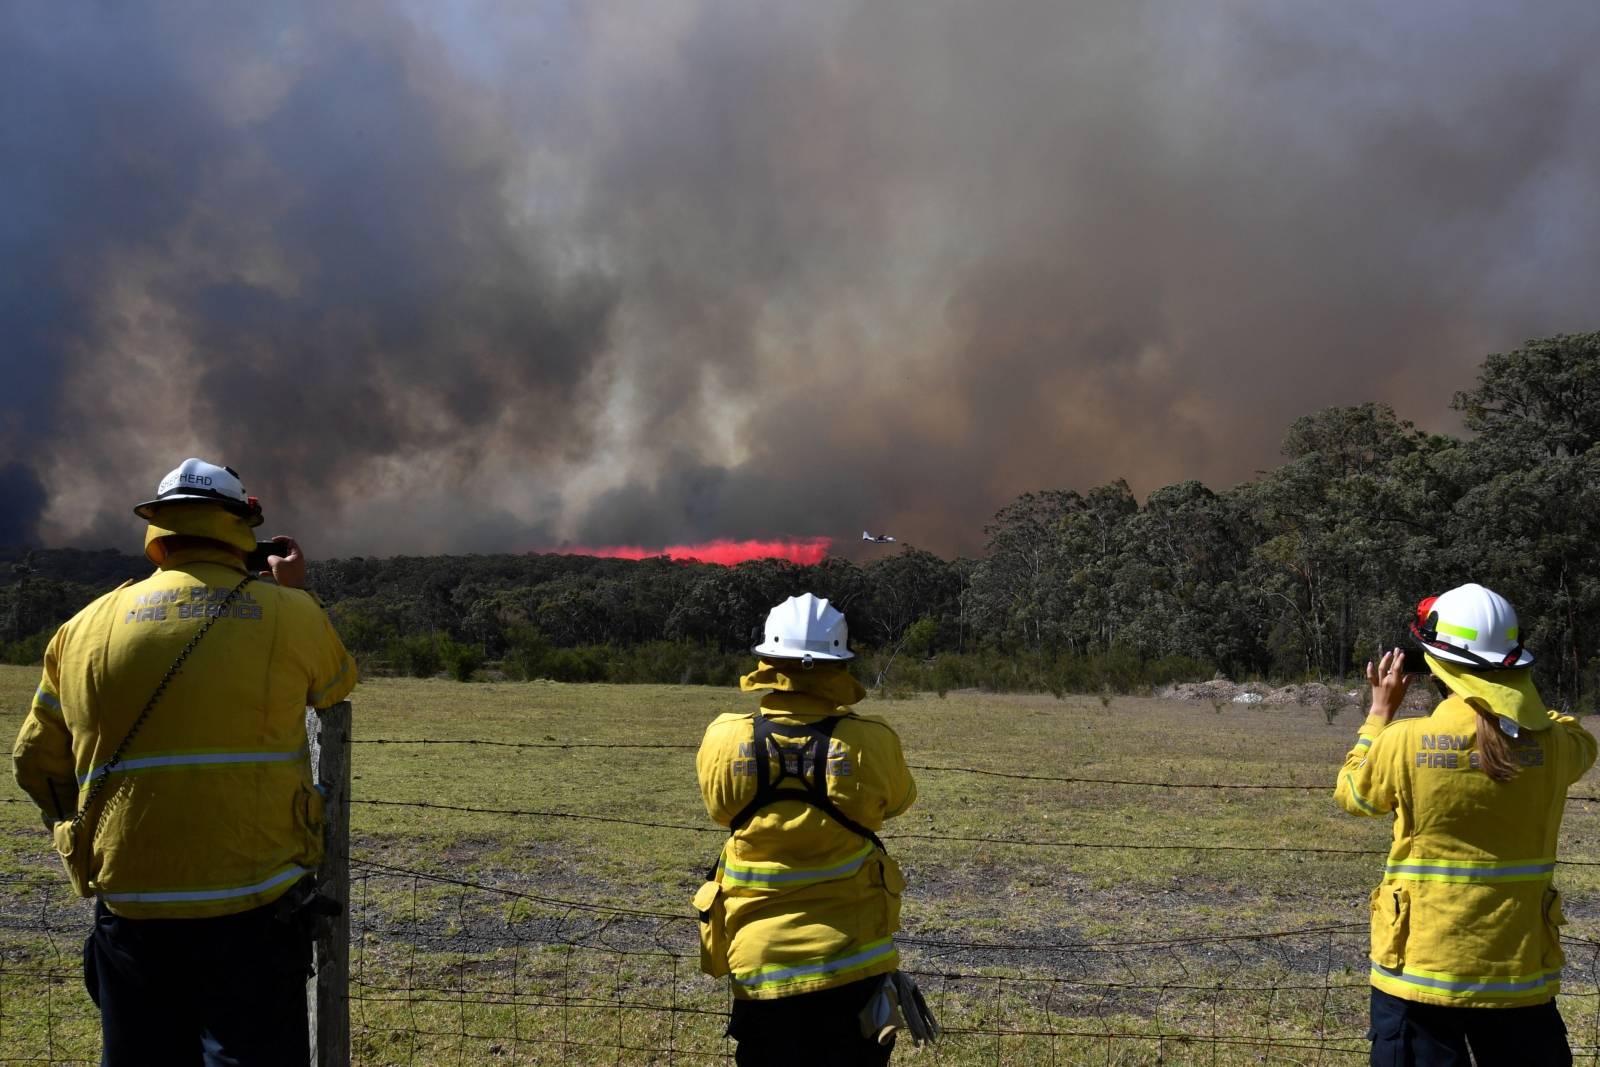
(452, 968)
(985, 772)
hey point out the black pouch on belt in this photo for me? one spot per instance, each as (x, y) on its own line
(305, 909)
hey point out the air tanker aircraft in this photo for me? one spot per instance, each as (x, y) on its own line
(877, 539)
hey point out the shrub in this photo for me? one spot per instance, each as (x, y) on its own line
(587, 663)
(27, 652)
(526, 649)
(461, 659)
(919, 637)
(417, 655)
(1119, 670)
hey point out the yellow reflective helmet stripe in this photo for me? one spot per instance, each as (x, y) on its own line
(1466, 633)
(787, 974)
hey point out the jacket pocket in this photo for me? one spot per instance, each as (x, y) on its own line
(308, 813)
(711, 905)
(73, 846)
(1391, 922)
(1553, 957)
(894, 883)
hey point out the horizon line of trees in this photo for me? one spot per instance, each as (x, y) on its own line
(1305, 572)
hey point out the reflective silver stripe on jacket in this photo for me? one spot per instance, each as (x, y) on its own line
(186, 896)
(744, 875)
(1458, 985)
(316, 698)
(197, 759)
(1428, 870)
(770, 977)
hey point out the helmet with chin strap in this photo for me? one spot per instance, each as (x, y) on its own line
(194, 481)
(1473, 626)
(806, 628)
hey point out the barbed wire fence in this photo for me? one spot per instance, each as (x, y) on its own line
(584, 983)
(446, 969)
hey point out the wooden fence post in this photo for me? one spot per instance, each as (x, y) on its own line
(328, 991)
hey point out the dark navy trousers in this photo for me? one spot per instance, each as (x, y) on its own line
(1407, 1034)
(221, 992)
(808, 1030)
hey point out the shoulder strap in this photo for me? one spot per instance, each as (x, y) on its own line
(807, 762)
(106, 768)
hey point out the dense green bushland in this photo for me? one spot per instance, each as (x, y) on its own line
(1119, 669)
(1303, 572)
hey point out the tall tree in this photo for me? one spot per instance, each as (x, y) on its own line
(1015, 581)
(1541, 400)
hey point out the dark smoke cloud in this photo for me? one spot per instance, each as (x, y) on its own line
(21, 501)
(290, 247)
(503, 276)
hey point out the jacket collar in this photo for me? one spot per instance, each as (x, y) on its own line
(187, 557)
(823, 690)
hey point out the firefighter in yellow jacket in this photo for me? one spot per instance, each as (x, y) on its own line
(1466, 925)
(179, 786)
(801, 907)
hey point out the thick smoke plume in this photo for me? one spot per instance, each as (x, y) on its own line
(475, 277)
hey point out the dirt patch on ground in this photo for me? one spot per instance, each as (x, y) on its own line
(1325, 695)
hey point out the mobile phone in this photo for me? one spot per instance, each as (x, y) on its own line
(256, 562)
(1413, 663)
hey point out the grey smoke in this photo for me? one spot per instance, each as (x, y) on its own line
(21, 500)
(511, 275)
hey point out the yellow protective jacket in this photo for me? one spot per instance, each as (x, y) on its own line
(1466, 914)
(797, 902)
(212, 810)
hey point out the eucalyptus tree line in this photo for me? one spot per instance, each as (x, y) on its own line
(1304, 572)
(1317, 564)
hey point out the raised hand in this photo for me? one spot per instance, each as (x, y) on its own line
(1389, 683)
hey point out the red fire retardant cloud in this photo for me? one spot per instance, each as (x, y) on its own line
(727, 553)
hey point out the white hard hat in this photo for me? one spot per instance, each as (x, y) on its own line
(1472, 626)
(194, 481)
(805, 627)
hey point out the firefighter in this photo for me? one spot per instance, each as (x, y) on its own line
(1466, 951)
(801, 907)
(166, 749)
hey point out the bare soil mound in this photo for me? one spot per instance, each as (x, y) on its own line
(1325, 695)
(1222, 691)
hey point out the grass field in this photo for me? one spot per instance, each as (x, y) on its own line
(1051, 921)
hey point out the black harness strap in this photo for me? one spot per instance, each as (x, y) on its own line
(807, 762)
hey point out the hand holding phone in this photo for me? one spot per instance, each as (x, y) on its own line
(256, 561)
(290, 569)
